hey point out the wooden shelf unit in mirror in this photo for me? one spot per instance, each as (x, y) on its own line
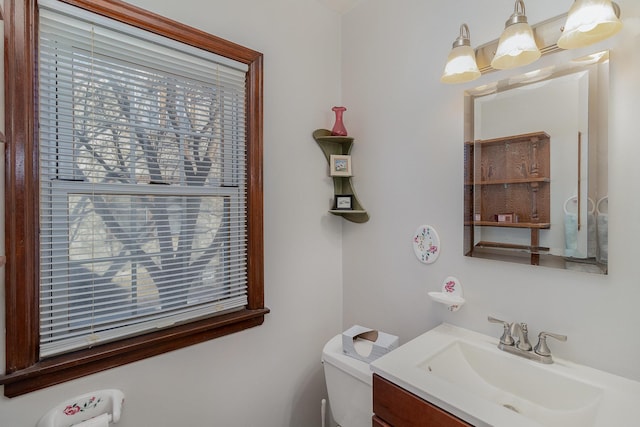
(508, 184)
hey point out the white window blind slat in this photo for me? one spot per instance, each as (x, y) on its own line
(98, 55)
(61, 317)
(69, 15)
(142, 181)
(80, 340)
(77, 74)
(99, 52)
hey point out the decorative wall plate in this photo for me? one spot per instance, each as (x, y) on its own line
(426, 244)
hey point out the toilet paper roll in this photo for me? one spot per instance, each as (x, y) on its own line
(99, 421)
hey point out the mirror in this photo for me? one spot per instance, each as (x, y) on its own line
(535, 158)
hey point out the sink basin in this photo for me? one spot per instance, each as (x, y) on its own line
(464, 373)
(518, 385)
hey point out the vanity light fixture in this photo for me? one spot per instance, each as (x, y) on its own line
(588, 22)
(461, 64)
(517, 45)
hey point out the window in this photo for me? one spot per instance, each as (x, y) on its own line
(135, 177)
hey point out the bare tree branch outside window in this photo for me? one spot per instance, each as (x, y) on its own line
(132, 251)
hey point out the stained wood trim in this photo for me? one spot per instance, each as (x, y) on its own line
(535, 249)
(149, 21)
(21, 189)
(24, 371)
(537, 225)
(525, 137)
(379, 422)
(85, 362)
(255, 207)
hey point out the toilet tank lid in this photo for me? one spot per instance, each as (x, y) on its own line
(332, 354)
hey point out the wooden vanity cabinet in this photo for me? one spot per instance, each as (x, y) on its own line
(377, 422)
(394, 406)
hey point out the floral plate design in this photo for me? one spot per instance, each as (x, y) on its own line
(451, 294)
(426, 244)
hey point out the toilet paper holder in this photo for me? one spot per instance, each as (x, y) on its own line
(85, 407)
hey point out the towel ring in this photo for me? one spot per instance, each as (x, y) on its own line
(566, 211)
(605, 198)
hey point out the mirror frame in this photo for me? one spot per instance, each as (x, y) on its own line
(562, 64)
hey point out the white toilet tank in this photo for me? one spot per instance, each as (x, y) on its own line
(349, 386)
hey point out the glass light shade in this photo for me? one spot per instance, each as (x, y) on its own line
(516, 47)
(588, 22)
(461, 66)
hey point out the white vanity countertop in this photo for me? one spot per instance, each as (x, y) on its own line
(404, 366)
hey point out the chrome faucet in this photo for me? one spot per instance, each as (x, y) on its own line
(515, 340)
(519, 331)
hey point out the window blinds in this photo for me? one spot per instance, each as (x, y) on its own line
(142, 181)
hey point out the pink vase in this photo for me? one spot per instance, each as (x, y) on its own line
(338, 127)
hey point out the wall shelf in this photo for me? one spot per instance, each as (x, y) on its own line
(540, 225)
(510, 181)
(509, 175)
(341, 145)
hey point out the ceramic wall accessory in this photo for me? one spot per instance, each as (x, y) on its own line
(426, 244)
(450, 295)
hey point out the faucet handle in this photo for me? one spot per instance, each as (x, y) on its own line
(542, 348)
(506, 337)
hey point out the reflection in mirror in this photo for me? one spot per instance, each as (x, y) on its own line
(536, 167)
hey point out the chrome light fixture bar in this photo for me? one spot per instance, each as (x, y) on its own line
(548, 34)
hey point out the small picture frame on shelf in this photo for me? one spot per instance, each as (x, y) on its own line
(343, 202)
(506, 217)
(340, 165)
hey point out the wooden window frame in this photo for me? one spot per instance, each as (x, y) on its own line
(25, 371)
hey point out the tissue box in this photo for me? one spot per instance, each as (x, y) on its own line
(371, 343)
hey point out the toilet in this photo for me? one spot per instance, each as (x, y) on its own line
(349, 386)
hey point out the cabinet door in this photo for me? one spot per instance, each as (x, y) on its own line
(377, 422)
(397, 407)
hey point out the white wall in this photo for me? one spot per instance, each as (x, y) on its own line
(409, 158)
(270, 375)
